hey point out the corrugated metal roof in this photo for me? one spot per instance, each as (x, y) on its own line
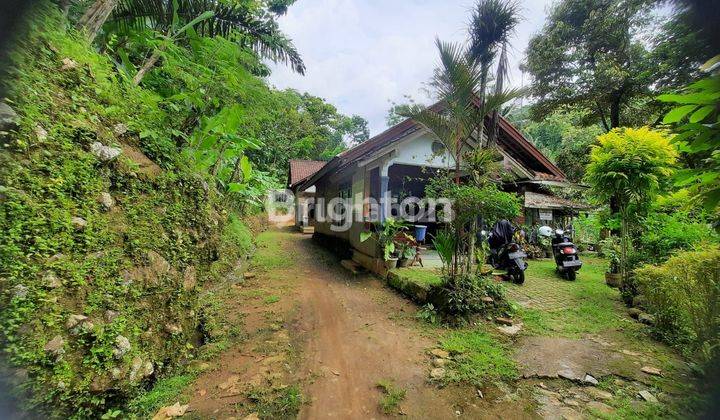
(535, 200)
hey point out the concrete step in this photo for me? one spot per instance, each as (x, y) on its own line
(352, 266)
(307, 229)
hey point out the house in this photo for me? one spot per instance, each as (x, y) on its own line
(298, 172)
(398, 163)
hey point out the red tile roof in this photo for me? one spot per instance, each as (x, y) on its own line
(302, 169)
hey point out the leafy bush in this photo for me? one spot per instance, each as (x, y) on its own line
(684, 295)
(666, 233)
(587, 229)
(463, 295)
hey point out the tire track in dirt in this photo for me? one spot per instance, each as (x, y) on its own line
(339, 335)
(355, 332)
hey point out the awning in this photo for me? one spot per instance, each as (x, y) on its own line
(535, 200)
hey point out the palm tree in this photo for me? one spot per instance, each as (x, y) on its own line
(258, 31)
(458, 83)
(460, 120)
(491, 25)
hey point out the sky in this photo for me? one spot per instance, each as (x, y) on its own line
(362, 54)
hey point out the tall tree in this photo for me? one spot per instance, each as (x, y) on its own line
(95, 16)
(587, 55)
(491, 25)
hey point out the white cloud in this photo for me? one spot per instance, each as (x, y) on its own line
(362, 54)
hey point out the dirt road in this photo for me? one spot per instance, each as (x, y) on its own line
(334, 334)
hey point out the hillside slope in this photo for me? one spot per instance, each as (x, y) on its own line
(109, 236)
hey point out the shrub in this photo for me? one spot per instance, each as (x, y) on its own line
(463, 295)
(666, 233)
(587, 229)
(684, 295)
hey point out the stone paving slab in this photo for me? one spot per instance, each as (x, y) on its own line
(555, 357)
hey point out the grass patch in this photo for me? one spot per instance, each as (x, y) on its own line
(392, 396)
(270, 255)
(277, 404)
(165, 392)
(584, 306)
(478, 357)
(424, 276)
(271, 299)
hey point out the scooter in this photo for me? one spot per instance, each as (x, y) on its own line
(565, 252)
(505, 254)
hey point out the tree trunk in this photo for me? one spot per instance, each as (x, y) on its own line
(95, 16)
(457, 159)
(147, 66)
(471, 245)
(615, 113)
(499, 81)
(624, 236)
(65, 6)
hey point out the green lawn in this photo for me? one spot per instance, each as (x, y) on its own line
(423, 276)
(551, 305)
(478, 356)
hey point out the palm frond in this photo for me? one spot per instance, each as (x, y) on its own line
(441, 124)
(258, 31)
(491, 24)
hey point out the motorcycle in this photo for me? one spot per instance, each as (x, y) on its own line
(505, 254)
(565, 253)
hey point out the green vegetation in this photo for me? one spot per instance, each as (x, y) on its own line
(422, 276)
(477, 357)
(562, 137)
(282, 403)
(613, 72)
(698, 103)
(270, 255)
(271, 299)
(123, 242)
(584, 306)
(628, 168)
(684, 296)
(392, 396)
(164, 392)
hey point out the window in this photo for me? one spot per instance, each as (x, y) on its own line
(343, 209)
(437, 147)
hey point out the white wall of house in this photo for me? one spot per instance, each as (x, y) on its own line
(417, 151)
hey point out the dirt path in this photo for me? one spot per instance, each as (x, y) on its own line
(333, 334)
(313, 342)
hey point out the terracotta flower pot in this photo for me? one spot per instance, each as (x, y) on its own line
(403, 262)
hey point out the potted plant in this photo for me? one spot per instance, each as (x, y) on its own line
(386, 232)
(613, 276)
(406, 250)
(546, 245)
